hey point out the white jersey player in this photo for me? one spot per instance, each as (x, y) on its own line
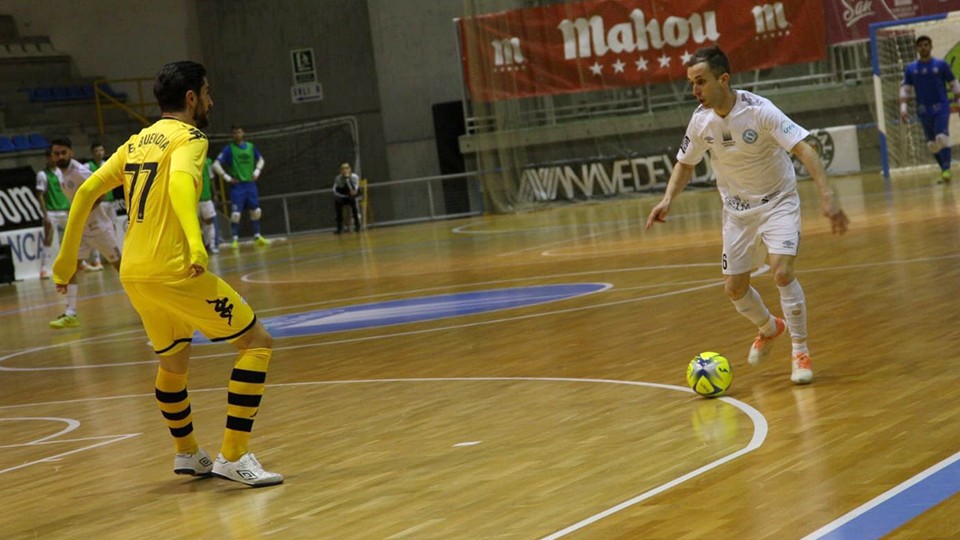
(747, 139)
(98, 234)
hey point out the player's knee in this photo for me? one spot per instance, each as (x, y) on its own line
(933, 146)
(783, 275)
(734, 289)
(255, 214)
(235, 217)
(943, 140)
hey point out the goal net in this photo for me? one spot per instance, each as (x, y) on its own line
(903, 146)
(301, 160)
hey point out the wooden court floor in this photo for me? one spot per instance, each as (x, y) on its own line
(566, 417)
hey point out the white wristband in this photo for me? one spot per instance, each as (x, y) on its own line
(903, 108)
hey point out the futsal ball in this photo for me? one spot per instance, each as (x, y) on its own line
(709, 374)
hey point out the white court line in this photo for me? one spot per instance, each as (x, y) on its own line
(71, 424)
(115, 438)
(760, 427)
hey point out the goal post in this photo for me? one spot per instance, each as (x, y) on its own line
(892, 46)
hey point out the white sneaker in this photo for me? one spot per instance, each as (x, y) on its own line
(246, 470)
(196, 464)
(94, 267)
(802, 369)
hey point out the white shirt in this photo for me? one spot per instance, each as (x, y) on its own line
(747, 149)
(70, 180)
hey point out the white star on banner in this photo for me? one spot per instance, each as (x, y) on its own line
(685, 57)
(641, 64)
(664, 61)
(596, 68)
(618, 66)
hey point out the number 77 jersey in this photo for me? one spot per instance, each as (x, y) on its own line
(155, 247)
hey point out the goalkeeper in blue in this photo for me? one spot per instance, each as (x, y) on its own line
(927, 79)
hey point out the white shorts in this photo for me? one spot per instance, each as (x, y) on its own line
(103, 240)
(58, 218)
(206, 210)
(774, 226)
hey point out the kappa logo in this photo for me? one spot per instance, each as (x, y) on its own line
(507, 53)
(224, 308)
(196, 134)
(770, 20)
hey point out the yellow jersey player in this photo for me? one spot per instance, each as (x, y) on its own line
(164, 272)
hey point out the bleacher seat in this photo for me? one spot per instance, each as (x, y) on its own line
(15, 50)
(37, 141)
(20, 142)
(6, 145)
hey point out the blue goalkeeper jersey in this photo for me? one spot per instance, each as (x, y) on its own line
(929, 81)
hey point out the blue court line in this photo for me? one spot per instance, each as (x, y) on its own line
(896, 507)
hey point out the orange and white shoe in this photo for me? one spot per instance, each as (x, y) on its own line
(761, 345)
(802, 369)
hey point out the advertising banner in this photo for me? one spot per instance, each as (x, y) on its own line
(849, 20)
(603, 44)
(21, 220)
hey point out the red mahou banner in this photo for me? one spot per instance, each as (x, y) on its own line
(602, 44)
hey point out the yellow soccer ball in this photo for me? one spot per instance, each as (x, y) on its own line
(709, 374)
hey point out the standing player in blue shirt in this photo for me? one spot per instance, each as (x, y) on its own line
(240, 163)
(929, 78)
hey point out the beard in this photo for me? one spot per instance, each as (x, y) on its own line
(63, 163)
(200, 117)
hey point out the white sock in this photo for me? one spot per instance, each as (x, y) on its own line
(71, 299)
(751, 306)
(209, 234)
(45, 257)
(794, 307)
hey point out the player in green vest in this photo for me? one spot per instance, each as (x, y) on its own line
(207, 211)
(99, 153)
(240, 164)
(54, 205)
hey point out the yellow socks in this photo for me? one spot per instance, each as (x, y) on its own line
(243, 400)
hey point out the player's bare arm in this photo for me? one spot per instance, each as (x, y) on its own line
(829, 203)
(679, 179)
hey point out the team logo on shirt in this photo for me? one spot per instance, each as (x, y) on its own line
(750, 136)
(196, 134)
(224, 308)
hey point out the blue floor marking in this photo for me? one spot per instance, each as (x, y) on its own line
(419, 309)
(898, 506)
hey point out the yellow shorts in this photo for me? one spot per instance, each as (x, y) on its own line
(172, 311)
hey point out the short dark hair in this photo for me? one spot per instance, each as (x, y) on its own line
(95, 144)
(60, 141)
(174, 80)
(716, 60)
(234, 127)
(924, 38)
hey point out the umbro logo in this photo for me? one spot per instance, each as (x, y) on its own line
(788, 243)
(246, 475)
